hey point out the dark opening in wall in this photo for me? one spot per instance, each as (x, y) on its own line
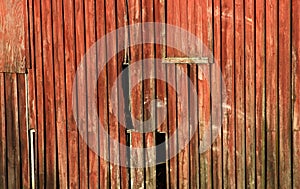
(161, 172)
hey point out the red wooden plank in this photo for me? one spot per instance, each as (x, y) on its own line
(149, 92)
(296, 88)
(49, 95)
(260, 96)
(112, 71)
(122, 21)
(3, 163)
(82, 104)
(28, 32)
(182, 99)
(102, 98)
(171, 92)
(194, 167)
(203, 91)
(36, 78)
(12, 132)
(240, 93)
(25, 182)
(60, 102)
(271, 93)
(250, 93)
(70, 63)
(227, 57)
(12, 36)
(217, 146)
(285, 134)
(136, 95)
(90, 39)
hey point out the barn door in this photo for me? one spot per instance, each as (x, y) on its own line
(180, 61)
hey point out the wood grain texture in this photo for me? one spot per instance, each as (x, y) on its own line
(272, 94)
(136, 95)
(240, 93)
(296, 88)
(227, 58)
(260, 34)
(217, 145)
(3, 150)
(250, 92)
(12, 36)
(70, 67)
(49, 95)
(60, 92)
(285, 88)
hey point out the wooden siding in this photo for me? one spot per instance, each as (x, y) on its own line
(256, 43)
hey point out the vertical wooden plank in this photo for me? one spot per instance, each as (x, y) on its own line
(39, 83)
(193, 117)
(112, 71)
(271, 93)
(182, 100)
(136, 95)
(217, 146)
(227, 57)
(49, 95)
(122, 21)
(240, 93)
(204, 91)
(12, 132)
(90, 38)
(149, 92)
(171, 95)
(284, 67)
(60, 101)
(102, 97)
(296, 88)
(3, 163)
(70, 63)
(25, 182)
(260, 93)
(82, 104)
(250, 92)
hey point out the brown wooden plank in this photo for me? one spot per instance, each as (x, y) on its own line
(260, 96)
(285, 134)
(112, 71)
(90, 39)
(250, 93)
(12, 36)
(37, 119)
(227, 57)
(25, 182)
(240, 93)
(271, 94)
(296, 88)
(70, 63)
(136, 95)
(29, 32)
(204, 91)
(217, 145)
(3, 163)
(49, 95)
(149, 92)
(60, 101)
(82, 104)
(102, 98)
(12, 132)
